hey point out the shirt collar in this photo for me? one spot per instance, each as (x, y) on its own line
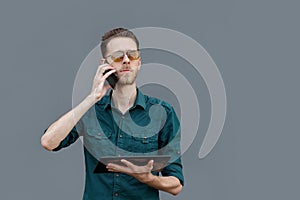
(106, 101)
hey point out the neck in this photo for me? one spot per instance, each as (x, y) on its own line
(124, 96)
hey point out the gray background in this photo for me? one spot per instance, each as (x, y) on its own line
(254, 43)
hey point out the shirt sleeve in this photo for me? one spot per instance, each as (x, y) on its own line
(69, 139)
(169, 144)
(174, 169)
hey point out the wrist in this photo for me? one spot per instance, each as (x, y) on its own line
(148, 178)
(90, 100)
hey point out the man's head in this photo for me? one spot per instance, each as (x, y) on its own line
(115, 33)
(120, 49)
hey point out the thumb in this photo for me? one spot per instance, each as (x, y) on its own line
(150, 164)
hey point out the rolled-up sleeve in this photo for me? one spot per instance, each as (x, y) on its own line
(169, 143)
(69, 139)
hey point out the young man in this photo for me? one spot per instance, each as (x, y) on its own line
(120, 57)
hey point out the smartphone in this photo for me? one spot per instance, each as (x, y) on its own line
(112, 79)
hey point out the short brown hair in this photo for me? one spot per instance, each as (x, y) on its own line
(114, 33)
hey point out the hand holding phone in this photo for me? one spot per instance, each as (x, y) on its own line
(112, 79)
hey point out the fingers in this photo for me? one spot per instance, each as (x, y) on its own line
(99, 89)
(127, 163)
(106, 87)
(116, 168)
(102, 68)
(130, 168)
(100, 77)
(108, 73)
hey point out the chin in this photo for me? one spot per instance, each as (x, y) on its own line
(126, 82)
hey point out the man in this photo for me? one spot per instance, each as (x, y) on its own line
(113, 112)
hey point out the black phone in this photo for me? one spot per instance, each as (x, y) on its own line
(112, 79)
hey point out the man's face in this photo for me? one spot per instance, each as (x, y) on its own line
(127, 69)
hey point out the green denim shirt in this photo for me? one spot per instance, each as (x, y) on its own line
(149, 127)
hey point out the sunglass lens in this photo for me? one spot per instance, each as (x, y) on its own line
(117, 56)
(133, 55)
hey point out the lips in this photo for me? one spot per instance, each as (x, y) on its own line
(125, 70)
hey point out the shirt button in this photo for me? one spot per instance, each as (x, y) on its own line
(116, 194)
(117, 174)
(121, 135)
(123, 116)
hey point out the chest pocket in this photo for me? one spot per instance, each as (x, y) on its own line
(144, 143)
(98, 143)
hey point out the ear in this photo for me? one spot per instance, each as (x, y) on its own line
(140, 63)
(102, 61)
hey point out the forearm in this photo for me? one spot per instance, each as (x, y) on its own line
(168, 184)
(60, 128)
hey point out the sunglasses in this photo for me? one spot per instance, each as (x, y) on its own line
(118, 56)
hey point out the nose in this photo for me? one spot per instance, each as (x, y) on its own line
(126, 60)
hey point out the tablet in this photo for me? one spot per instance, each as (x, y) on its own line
(160, 161)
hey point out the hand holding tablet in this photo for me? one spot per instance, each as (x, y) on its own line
(160, 161)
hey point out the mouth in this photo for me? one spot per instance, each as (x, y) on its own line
(125, 70)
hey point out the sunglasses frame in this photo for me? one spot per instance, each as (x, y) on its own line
(123, 54)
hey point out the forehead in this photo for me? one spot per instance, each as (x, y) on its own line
(120, 44)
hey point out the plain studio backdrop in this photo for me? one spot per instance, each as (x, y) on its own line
(255, 45)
